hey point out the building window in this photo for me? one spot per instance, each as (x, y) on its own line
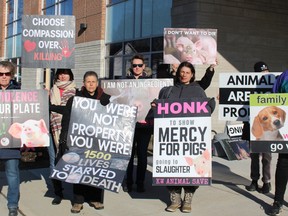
(58, 7)
(13, 38)
(136, 26)
(14, 28)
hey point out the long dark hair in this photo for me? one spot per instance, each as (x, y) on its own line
(185, 64)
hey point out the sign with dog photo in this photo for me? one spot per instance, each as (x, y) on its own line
(268, 125)
(24, 118)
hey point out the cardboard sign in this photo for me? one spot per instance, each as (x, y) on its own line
(140, 92)
(100, 142)
(268, 123)
(235, 90)
(235, 130)
(48, 41)
(182, 143)
(24, 117)
(197, 46)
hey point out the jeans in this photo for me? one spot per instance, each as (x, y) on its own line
(51, 152)
(13, 179)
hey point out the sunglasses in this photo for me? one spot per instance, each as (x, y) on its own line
(135, 65)
(6, 74)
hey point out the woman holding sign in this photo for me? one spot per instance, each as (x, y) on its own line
(185, 87)
(64, 87)
(90, 89)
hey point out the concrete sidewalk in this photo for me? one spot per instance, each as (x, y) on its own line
(225, 197)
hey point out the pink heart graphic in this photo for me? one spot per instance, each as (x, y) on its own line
(29, 45)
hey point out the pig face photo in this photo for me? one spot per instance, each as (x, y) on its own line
(197, 46)
(202, 164)
(32, 133)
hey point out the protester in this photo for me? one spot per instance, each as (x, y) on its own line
(10, 157)
(281, 176)
(144, 131)
(64, 87)
(90, 89)
(206, 79)
(255, 157)
(184, 87)
(142, 135)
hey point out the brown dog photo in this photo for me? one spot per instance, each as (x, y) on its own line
(267, 123)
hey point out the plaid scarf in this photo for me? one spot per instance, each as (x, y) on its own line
(69, 88)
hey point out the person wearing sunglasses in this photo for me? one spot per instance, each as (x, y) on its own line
(10, 156)
(142, 134)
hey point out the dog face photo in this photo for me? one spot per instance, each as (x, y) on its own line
(267, 123)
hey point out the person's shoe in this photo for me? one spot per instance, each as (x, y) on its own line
(57, 200)
(13, 211)
(76, 208)
(140, 188)
(175, 197)
(253, 186)
(266, 188)
(127, 188)
(186, 206)
(276, 209)
(97, 205)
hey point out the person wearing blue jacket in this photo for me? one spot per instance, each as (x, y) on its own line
(10, 156)
(281, 175)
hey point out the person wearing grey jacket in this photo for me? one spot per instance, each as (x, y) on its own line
(185, 87)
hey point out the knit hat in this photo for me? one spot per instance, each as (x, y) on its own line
(260, 66)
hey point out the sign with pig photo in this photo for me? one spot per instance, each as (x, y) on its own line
(197, 46)
(100, 142)
(48, 41)
(182, 142)
(135, 92)
(24, 118)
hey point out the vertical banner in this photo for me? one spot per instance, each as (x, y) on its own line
(100, 142)
(182, 143)
(140, 92)
(197, 46)
(24, 118)
(268, 123)
(234, 92)
(48, 41)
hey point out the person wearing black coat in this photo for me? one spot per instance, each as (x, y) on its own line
(91, 90)
(10, 157)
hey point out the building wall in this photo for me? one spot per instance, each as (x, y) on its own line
(32, 78)
(248, 31)
(90, 46)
